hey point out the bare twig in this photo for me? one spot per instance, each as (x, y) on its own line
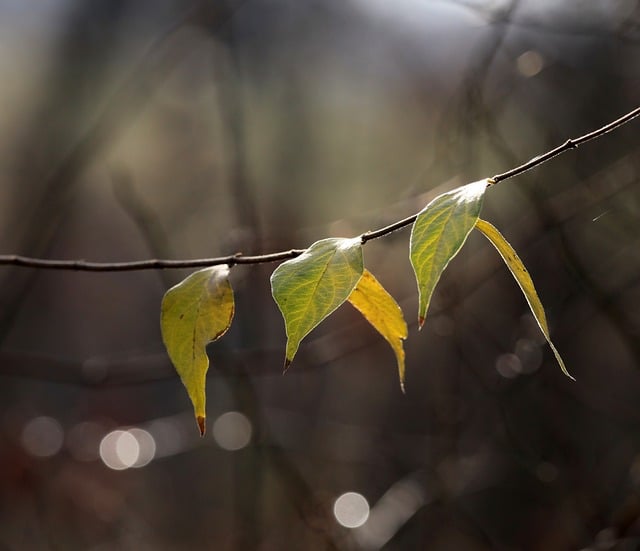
(569, 144)
(239, 258)
(84, 266)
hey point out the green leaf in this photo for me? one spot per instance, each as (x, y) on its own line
(310, 287)
(524, 281)
(196, 311)
(438, 233)
(382, 311)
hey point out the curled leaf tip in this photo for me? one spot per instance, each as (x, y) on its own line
(201, 424)
(560, 362)
(287, 363)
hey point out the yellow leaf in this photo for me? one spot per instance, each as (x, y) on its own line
(381, 310)
(196, 311)
(524, 280)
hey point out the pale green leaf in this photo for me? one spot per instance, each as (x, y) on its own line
(308, 288)
(196, 311)
(438, 233)
(524, 280)
(382, 311)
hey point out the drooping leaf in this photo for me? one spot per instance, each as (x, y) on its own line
(308, 288)
(382, 311)
(524, 280)
(196, 311)
(438, 233)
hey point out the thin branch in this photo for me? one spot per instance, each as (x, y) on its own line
(84, 266)
(569, 144)
(239, 258)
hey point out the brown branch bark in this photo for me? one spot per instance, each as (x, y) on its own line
(239, 258)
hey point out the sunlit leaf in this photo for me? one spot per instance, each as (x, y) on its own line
(196, 311)
(438, 233)
(524, 280)
(382, 311)
(308, 288)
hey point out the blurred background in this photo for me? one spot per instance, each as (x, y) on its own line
(186, 129)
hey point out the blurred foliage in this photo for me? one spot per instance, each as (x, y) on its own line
(175, 130)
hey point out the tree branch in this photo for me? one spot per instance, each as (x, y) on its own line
(239, 258)
(84, 266)
(569, 144)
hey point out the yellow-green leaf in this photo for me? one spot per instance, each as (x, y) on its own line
(438, 233)
(196, 311)
(382, 311)
(308, 288)
(524, 280)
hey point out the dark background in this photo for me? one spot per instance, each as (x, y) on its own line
(166, 129)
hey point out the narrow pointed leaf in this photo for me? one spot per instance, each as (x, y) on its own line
(438, 233)
(382, 311)
(524, 280)
(310, 287)
(196, 311)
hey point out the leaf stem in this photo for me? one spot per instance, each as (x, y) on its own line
(239, 258)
